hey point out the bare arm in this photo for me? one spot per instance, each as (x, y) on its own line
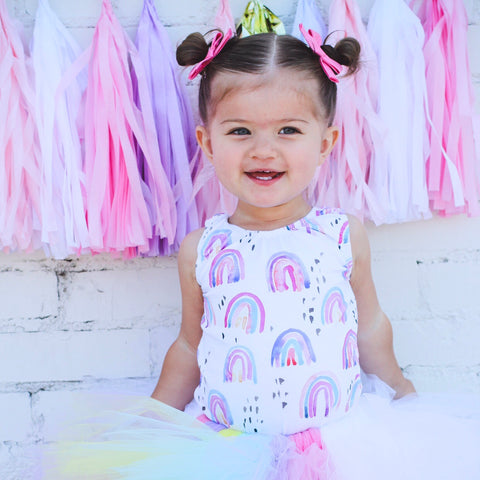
(180, 374)
(375, 337)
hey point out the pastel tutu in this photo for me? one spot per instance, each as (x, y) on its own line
(418, 437)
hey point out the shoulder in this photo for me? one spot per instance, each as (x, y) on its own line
(187, 253)
(360, 246)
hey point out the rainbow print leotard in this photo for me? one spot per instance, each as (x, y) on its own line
(279, 347)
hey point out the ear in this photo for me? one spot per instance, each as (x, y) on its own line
(328, 142)
(203, 139)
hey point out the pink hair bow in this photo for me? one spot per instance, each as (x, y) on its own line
(216, 47)
(331, 67)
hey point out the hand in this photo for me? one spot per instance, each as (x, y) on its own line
(404, 388)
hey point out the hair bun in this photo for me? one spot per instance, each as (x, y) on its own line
(192, 50)
(346, 52)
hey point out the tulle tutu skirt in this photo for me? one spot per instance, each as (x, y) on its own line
(417, 437)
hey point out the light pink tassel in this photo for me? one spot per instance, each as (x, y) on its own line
(224, 18)
(19, 170)
(343, 179)
(452, 166)
(54, 51)
(117, 214)
(211, 196)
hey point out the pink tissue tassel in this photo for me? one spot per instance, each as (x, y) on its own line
(344, 177)
(453, 169)
(19, 170)
(117, 213)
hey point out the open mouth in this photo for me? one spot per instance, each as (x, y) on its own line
(264, 175)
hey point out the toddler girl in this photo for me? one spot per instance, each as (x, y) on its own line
(280, 318)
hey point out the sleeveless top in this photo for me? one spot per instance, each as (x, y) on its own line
(279, 350)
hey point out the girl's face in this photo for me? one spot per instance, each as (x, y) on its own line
(265, 137)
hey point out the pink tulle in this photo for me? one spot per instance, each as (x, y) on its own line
(117, 214)
(312, 461)
(453, 172)
(19, 154)
(342, 180)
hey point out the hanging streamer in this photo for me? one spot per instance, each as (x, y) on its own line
(309, 15)
(453, 176)
(62, 196)
(397, 178)
(343, 178)
(211, 196)
(19, 169)
(117, 214)
(224, 18)
(174, 124)
(258, 18)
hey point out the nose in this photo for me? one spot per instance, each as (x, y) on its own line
(263, 147)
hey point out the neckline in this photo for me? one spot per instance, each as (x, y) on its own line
(291, 224)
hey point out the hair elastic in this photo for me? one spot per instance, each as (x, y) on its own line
(215, 48)
(330, 66)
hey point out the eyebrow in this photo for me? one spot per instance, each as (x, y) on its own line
(281, 120)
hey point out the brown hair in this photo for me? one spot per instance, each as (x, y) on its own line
(257, 54)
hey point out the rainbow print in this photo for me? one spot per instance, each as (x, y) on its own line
(355, 392)
(307, 224)
(292, 347)
(219, 408)
(226, 267)
(350, 350)
(217, 240)
(284, 268)
(239, 366)
(334, 307)
(246, 311)
(347, 269)
(208, 317)
(320, 392)
(344, 236)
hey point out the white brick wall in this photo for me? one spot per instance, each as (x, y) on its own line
(102, 324)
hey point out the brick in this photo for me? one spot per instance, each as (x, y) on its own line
(399, 293)
(452, 288)
(16, 417)
(437, 342)
(160, 340)
(446, 380)
(426, 237)
(86, 12)
(56, 356)
(122, 296)
(19, 462)
(28, 294)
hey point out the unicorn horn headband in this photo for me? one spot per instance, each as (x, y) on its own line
(218, 42)
(331, 67)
